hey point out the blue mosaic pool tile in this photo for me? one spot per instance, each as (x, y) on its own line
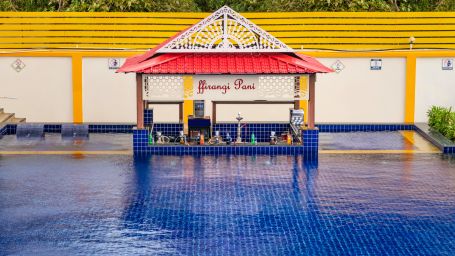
(3, 131)
(364, 127)
(228, 205)
(111, 128)
(310, 144)
(168, 129)
(141, 147)
(261, 130)
(53, 128)
(148, 117)
(11, 129)
(449, 150)
(140, 141)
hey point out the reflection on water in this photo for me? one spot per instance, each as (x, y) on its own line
(228, 205)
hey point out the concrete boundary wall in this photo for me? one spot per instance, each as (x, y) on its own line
(107, 96)
(434, 86)
(39, 89)
(358, 94)
(77, 86)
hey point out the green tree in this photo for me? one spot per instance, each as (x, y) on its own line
(238, 5)
(326, 5)
(422, 5)
(132, 6)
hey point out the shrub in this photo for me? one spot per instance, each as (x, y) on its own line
(442, 120)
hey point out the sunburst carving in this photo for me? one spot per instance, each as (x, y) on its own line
(223, 31)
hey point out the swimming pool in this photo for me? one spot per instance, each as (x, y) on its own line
(382, 204)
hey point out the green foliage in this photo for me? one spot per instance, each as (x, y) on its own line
(99, 5)
(238, 5)
(442, 120)
(326, 5)
(131, 6)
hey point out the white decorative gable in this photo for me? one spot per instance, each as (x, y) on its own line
(225, 31)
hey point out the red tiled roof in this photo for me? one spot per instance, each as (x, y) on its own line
(223, 63)
(152, 62)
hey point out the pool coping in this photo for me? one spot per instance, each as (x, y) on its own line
(436, 138)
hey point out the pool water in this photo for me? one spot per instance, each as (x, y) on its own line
(54, 142)
(395, 140)
(381, 204)
(389, 140)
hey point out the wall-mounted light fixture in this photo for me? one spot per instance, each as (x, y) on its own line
(412, 40)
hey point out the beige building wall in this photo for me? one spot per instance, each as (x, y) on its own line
(434, 86)
(107, 96)
(357, 94)
(165, 113)
(253, 112)
(40, 92)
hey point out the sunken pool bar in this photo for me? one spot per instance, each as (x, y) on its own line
(309, 147)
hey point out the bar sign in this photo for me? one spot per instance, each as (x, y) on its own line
(375, 64)
(447, 64)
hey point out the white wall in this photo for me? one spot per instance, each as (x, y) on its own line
(107, 96)
(41, 92)
(165, 113)
(434, 86)
(358, 94)
(253, 112)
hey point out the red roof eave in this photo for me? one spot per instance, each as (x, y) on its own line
(224, 63)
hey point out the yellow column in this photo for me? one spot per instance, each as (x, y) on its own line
(410, 88)
(304, 88)
(187, 100)
(77, 88)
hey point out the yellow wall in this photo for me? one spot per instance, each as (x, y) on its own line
(312, 30)
(77, 88)
(188, 108)
(304, 103)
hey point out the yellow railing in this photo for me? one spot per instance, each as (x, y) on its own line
(300, 30)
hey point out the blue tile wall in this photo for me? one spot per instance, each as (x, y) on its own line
(93, 128)
(168, 129)
(110, 128)
(11, 129)
(53, 128)
(148, 117)
(364, 127)
(141, 147)
(449, 150)
(140, 141)
(261, 130)
(310, 140)
(3, 130)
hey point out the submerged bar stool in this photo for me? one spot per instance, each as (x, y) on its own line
(30, 131)
(75, 131)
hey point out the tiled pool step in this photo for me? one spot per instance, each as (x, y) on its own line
(444, 144)
(6, 118)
